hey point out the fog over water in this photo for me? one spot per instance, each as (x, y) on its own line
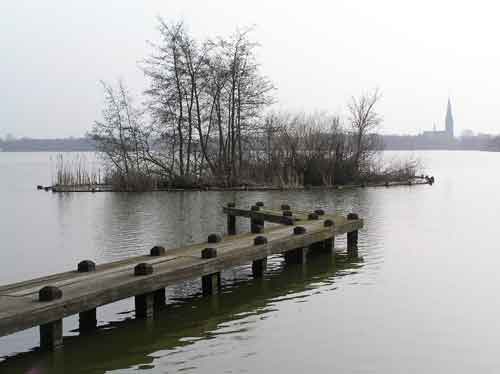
(421, 299)
(317, 53)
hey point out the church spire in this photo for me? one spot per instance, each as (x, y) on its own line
(449, 120)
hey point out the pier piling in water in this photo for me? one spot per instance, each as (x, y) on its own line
(51, 335)
(297, 255)
(352, 237)
(145, 305)
(210, 283)
(87, 320)
(259, 266)
(231, 221)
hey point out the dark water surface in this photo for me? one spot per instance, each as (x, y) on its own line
(424, 299)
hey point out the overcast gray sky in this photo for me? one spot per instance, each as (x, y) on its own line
(318, 53)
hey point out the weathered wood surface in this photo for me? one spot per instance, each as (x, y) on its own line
(20, 308)
(298, 216)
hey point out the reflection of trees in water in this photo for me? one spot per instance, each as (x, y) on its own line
(123, 344)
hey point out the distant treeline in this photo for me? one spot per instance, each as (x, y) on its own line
(47, 145)
(480, 142)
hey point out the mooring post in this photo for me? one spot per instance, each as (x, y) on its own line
(159, 297)
(256, 224)
(144, 303)
(352, 237)
(51, 335)
(329, 244)
(298, 255)
(87, 319)
(259, 266)
(210, 283)
(231, 221)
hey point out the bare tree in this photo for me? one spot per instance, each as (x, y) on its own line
(120, 134)
(364, 120)
(205, 97)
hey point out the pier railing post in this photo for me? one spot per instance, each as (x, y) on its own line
(352, 237)
(51, 334)
(231, 221)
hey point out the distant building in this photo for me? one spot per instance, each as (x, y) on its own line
(449, 120)
(445, 137)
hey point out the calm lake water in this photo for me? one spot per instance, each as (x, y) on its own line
(424, 298)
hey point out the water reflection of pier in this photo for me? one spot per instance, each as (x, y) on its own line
(188, 319)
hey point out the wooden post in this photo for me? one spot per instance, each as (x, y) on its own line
(257, 227)
(210, 283)
(145, 303)
(352, 238)
(159, 295)
(87, 319)
(157, 251)
(259, 266)
(231, 221)
(160, 299)
(329, 244)
(256, 224)
(298, 255)
(51, 335)
(231, 224)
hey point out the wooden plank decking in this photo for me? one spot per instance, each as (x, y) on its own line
(20, 307)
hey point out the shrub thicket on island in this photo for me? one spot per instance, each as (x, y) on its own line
(205, 122)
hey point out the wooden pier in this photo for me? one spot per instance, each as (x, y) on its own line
(46, 301)
(413, 181)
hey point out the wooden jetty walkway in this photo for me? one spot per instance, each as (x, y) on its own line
(46, 301)
(414, 181)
